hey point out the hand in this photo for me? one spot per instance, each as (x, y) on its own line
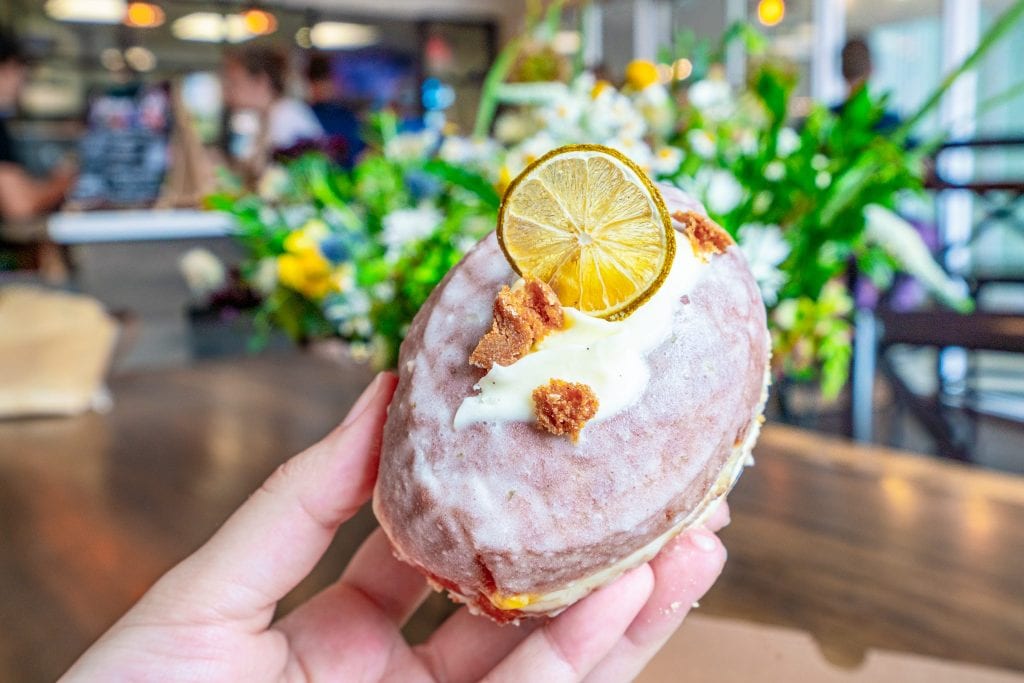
(64, 175)
(211, 617)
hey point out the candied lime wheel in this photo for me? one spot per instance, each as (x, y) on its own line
(589, 222)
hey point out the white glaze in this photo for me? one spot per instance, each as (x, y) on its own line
(609, 357)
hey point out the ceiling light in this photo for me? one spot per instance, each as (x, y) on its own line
(259, 22)
(144, 15)
(211, 27)
(771, 12)
(140, 58)
(235, 29)
(302, 38)
(205, 27)
(87, 11)
(334, 35)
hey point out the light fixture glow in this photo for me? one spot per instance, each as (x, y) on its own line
(144, 15)
(235, 29)
(335, 35)
(302, 38)
(207, 27)
(771, 12)
(211, 27)
(87, 11)
(140, 58)
(259, 22)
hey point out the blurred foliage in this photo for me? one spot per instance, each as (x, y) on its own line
(341, 220)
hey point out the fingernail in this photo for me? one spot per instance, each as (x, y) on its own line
(703, 540)
(364, 399)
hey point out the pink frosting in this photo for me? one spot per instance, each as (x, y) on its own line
(507, 507)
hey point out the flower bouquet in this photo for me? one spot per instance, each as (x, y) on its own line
(813, 206)
(353, 254)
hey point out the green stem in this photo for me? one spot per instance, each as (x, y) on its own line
(492, 84)
(932, 144)
(999, 28)
(991, 103)
(578, 64)
(503, 65)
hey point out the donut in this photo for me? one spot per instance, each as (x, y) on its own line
(659, 412)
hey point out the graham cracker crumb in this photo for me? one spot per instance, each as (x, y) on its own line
(564, 407)
(706, 236)
(522, 317)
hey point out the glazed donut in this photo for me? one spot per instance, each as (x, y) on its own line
(516, 521)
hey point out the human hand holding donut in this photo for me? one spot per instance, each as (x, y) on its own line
(211, 618)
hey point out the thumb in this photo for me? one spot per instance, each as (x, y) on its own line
(276, 538)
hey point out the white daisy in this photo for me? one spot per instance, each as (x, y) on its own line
(765, 249)
(408, 225)
(666, 160)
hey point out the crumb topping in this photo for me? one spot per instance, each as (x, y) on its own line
(706, 236)
(522, 317)
(564, 407)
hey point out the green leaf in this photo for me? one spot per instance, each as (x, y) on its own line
(476, 184)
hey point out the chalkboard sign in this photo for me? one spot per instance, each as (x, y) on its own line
(124, 154)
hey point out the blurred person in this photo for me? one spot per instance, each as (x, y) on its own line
(255, 79)
(336, 119)
(22, 196)
(856, 64)
(212, 617)
(857, 68)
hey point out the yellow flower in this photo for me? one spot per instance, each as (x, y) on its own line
(307, 272)
(641, 73)
(299, 242)
(306, 238)
(599, 87)
(504, 178)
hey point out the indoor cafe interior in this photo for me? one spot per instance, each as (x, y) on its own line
(420, 340)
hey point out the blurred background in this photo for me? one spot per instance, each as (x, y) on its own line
(217, 218)
(108, 83)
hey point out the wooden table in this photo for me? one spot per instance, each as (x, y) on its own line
(861, 547)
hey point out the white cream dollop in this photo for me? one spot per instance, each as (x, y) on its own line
(609, 357)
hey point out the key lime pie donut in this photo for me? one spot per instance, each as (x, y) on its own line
(583, 386)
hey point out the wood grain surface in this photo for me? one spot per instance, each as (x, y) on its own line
(861, 547)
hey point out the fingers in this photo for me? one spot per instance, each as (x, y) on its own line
(683, 572)
(392, 586)
(269, 544)
(720, 518)
(569, 646)
(353, 623)
(466, 646)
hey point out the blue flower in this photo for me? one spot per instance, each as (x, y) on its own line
(422, 185)
(335, 249)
